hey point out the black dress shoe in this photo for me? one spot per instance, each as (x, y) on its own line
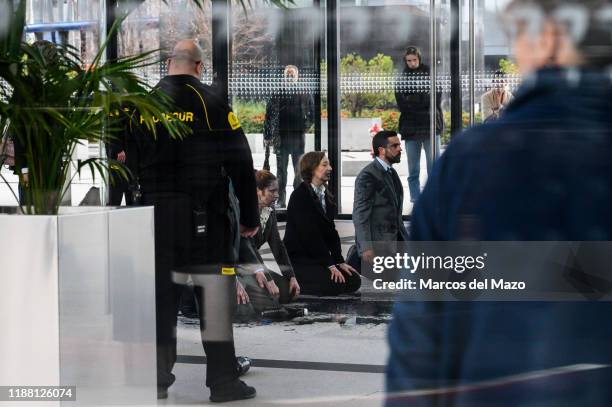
(162, 393)
(244, 364)
(235, 390)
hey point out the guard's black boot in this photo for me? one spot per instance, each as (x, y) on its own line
(162, 393)
(236, 390)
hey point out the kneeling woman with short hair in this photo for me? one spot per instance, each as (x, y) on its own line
(311, 237)
(265, 288)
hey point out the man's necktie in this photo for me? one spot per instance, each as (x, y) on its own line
(396, 183)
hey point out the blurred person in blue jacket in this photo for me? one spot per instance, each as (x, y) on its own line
(542, 172)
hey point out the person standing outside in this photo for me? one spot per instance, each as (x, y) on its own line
(288, 116)
(379, 197)
(414, 124)
(188, 183)
(495, 100)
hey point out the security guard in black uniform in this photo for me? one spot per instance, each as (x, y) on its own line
(187, 181)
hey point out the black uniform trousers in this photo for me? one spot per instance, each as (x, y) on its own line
(173, 245)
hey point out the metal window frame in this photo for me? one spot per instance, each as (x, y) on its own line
(221, 45)
(333, 98)
(455, 68)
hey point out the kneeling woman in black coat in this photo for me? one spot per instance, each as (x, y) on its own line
(311, 237)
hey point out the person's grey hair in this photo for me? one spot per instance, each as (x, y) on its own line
(587, 22)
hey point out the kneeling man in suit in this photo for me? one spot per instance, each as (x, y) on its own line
(379, 197)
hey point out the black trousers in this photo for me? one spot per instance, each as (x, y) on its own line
(282, 161)
(173, 239)
(315, 279)
(116, 191)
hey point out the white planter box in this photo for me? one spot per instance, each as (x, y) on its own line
(77, 305)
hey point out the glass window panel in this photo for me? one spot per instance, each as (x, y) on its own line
(71, 22)
(374, 37)
(274, 78)
(158, 25)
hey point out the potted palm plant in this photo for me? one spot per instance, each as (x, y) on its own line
(50, 103)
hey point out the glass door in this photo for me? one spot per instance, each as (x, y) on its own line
(391, 55)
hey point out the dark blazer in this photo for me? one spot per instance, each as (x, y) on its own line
(377, 207)
(311, 236)
(249, 247)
